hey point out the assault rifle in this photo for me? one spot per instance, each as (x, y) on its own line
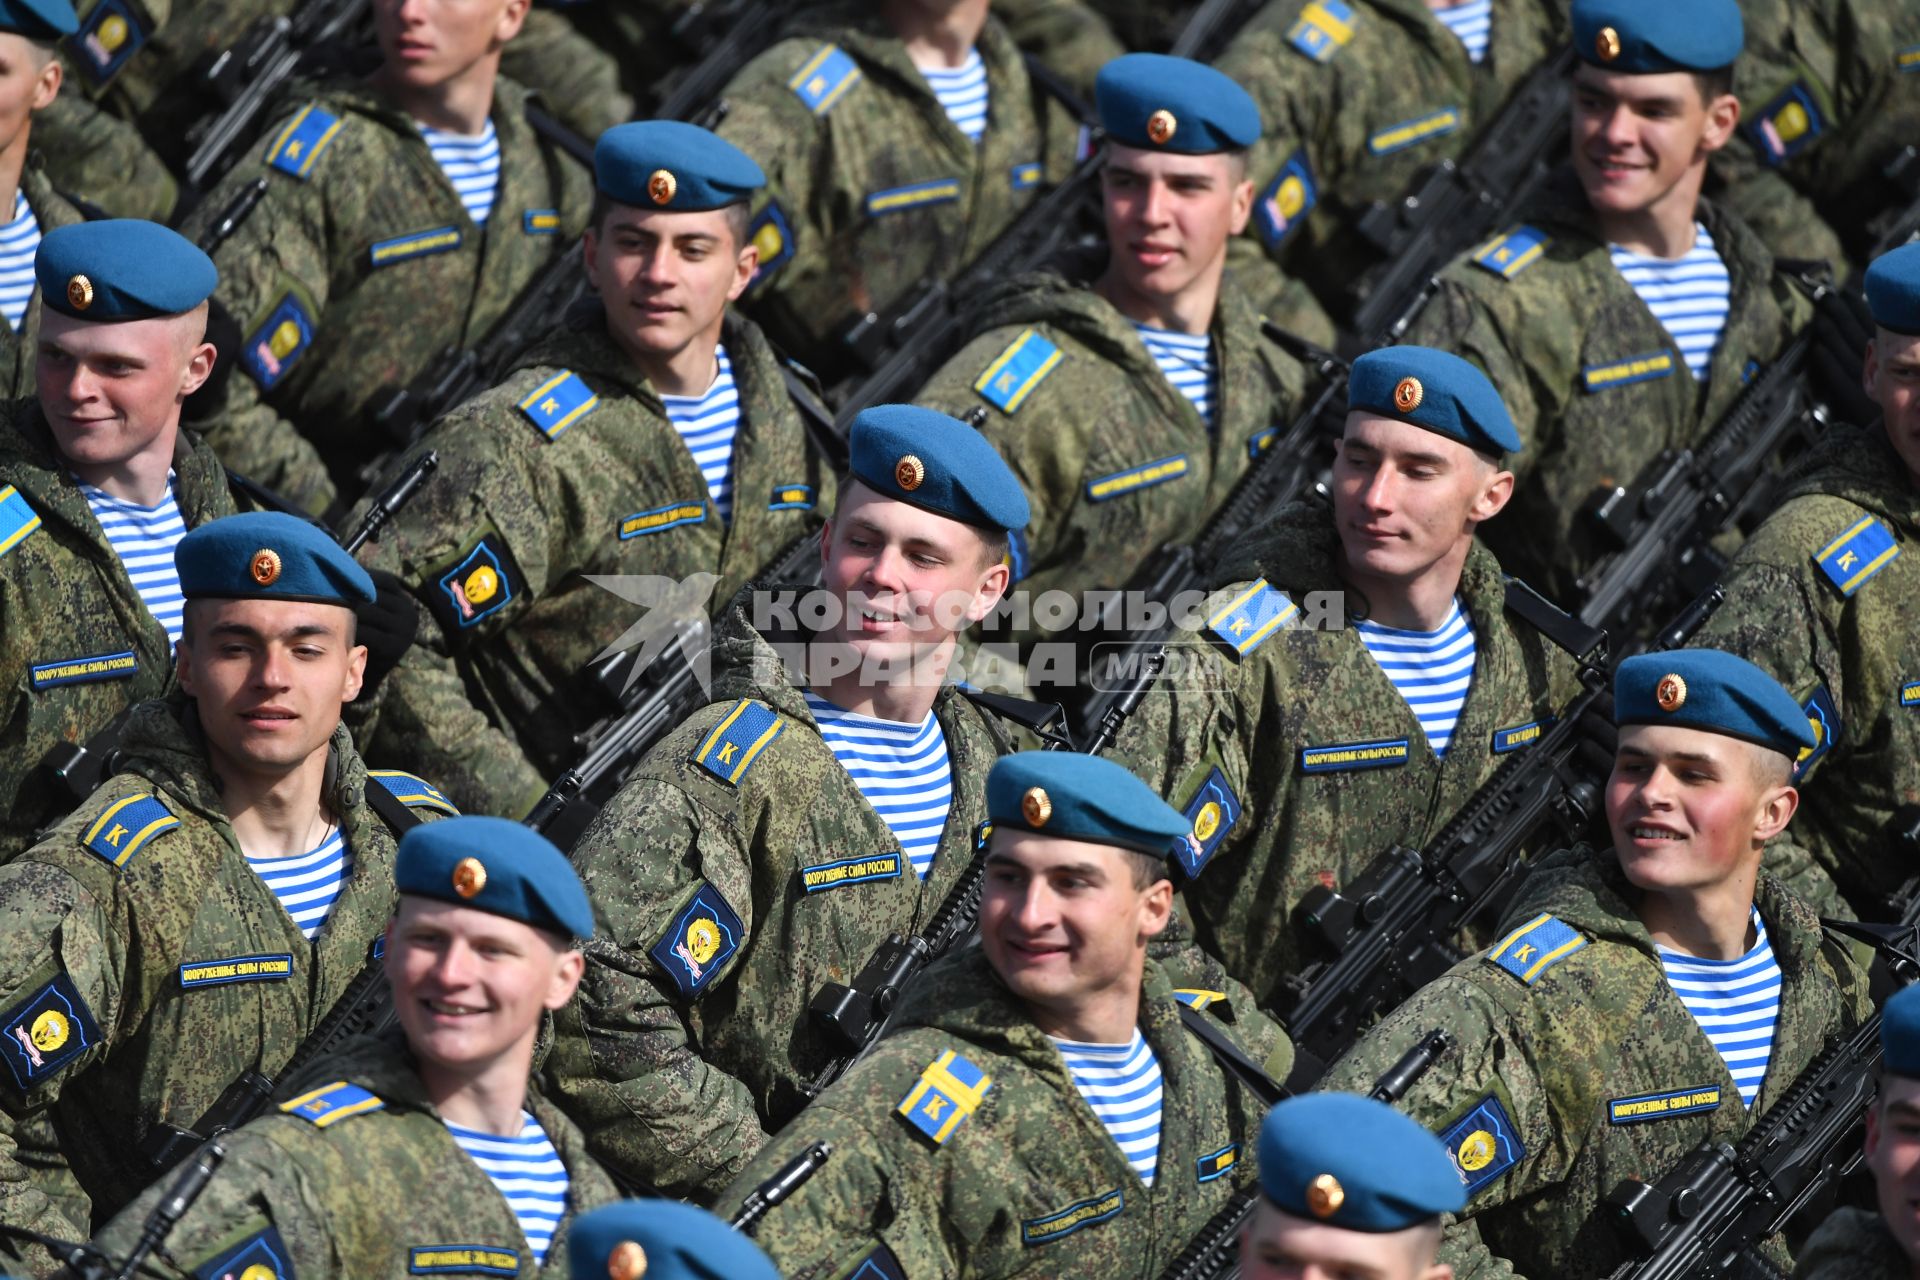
(1457, 205)
(1212, 28)
(1214, 1254)
(246, 77)
(721, 37)
(1662, 525)
(786, 1180)
(1897, 228)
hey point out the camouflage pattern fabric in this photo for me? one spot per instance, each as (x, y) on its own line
(1575, 1072)
(73, 629)
(1844, 638)
(1595, 383)
(1030, 1182)
(577, 77)
(359, 267)
(144, 965)
(490, 698)
(376, 1194)
(1853, 1244)
(679, 1065)
(1089, 434)
(104, 161)
(873, 192)
(50, 210)
(1354, 120)
(1304, 758)
(1068, 37)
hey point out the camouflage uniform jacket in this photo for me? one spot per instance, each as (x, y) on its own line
(1023, 1181)
(17, 350)
(74, 631)
(729, 883)
(1578, 1066)
(1300, 760)
(359, 266)
(144, 965)
(873, 192)
(1356, 109)
(1853, 1244)
(362, 1181)
(1826, 597)
(494, 691)
(1115, 462)
(1595, 383)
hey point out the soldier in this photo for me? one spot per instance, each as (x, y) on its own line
(1641, 1001)
(1349, 1186)
(205, 908)
(427, 1153)
(364, 259)
(1154, 389)
(662, 1240)
(97, 483)
(1303, 747)
(900, 140)
(1041, 1091)
(1859, 1244)
(1361, 98)
(1623, 318)
(654, 434)
(1823, 598)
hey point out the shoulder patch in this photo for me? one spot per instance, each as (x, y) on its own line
(415, 793)
(1620, 373)
(95, 667)
(1521, 735)
(1213, 811)
(461, 1259)
(126, 827)
(1015, 372)
(1851, 560)
(772, 235)
(279, 341)
(1509, 254)
(111, 35)
(261, 1256)
(737, 741)
(824, 78)
(1483, 1144)
(1907, 59)
(1323, 29)
(1025, 176)
(1411, 133)
(879, 1265)
(558, 403)
(1288, 199)
(1217, 1165)
(1910, 695)
(298, 146)
(332, 1103)
(18, 519)
(1659, 1106)
(1823, 717)
(1244, 622)
(1134, 479)
(1084, 1213)
(702, 936)
(1786, 126)
(791, 497)
(479, 585)
(1198, 999)
(1536, 947)
(948, 1091)
(46, 1031)
(415, 244)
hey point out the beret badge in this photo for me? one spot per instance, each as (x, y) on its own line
(1408, 395)
(1161, 126)
(1036, 806)
(1606, 43)
(79, 293)
(909, 473)
(1325, 1195)
(469, 877)
(1670, 693)
(662, 186)
(265, 566)
(628, 1261)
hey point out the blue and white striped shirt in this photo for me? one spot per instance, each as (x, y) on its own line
(901, 769)
(962, 92)
(308, 884)
(1187, 361)
(1472, 22)
(708, 422)
(472, 165)
(1121, 1082)
(1736, 1002)
(144, 538)
(1689, 296)
(528, 1172)
(1431, 669)
(19, 241)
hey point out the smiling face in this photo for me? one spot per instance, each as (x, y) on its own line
(1892, 378)
(1640, 142)
(1689, 810)
(665, 279)
(1406, 500)
(1276, 1245)
(113, 391)
(469, 986)
(1893, 1154)
(1169, 218)
(426, 43)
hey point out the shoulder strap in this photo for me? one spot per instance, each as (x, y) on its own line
(398, 817)
(1056, 87)
(1234, 1058)
(1565, 630)
(815, 416)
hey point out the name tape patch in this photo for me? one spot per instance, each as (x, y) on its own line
(834, 875)
(474, 1259)
(219, 973)
(660, 519)
(1084, 1213)
(1344, 756)
(1658, 1106)
(102, 666)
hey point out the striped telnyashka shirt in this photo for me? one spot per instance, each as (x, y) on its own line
(1431, 669)
(308, 884)
(19, 241)
(472, 165)
(1690, 297)
(962, 92)
(528, 1172)
(1472, 22)
(901, 770)
(1187, 361)
(1736, 1002)
(144, 538)
(1121, 1082)
(708, 422)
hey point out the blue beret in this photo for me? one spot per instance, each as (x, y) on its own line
(1893, 290)
(1646, 37)
(494, 865)
(1710, 690)
(1160, 103)
(664, 164)
(38, 19)
(1436, 390)
(674, 1241)
(930, 460)
(1082, 797)
(121, 269)
(268, 555)
(1355, 1163)
(1900, 1033)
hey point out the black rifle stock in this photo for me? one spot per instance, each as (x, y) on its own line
(722, 36)
(1212, 28)
(786, 1180)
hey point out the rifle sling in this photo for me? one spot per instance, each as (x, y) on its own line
(1233, 1057)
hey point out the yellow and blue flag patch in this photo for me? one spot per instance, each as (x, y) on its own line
(737, 741)
(101, 666)
(332, 1103)
(1620, 373)
(948, 1091)
(1015, 372)
(1509, 254)
(1851, 560)
(261, 1256)
(415, 793)
(1244, 622)
(299, 144)
(1659, 1106)
(1536, 946)
(824, 78)
(1287, 201)
(415, 244)
(1198, 999)
(1324, 28)
(1411, 133)
(1084, 1213)
(46, 1031)
(702, 936)
(18, 519)
(1483, 1144)
(126, 827)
